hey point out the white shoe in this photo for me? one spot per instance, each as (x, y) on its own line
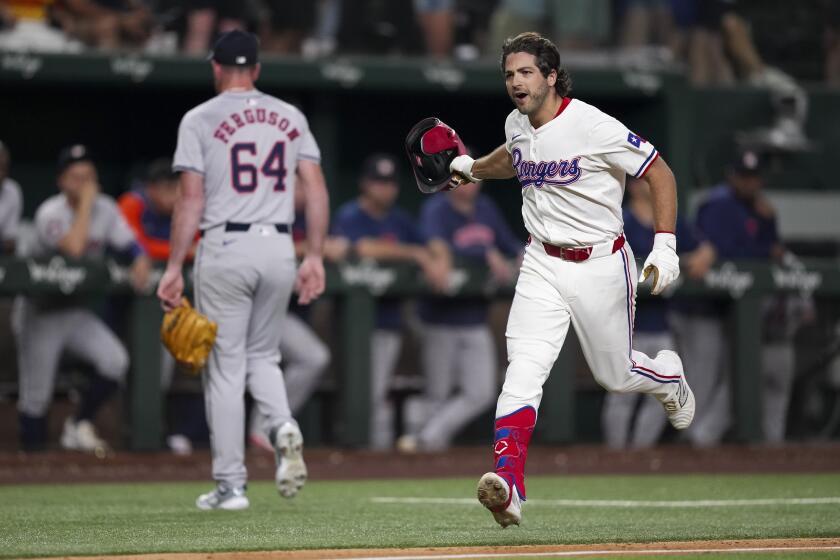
(223, 497)
(81, 436)
(179, 444)
(495, 494)
(681, 404)
(408, 444)
(291, 470)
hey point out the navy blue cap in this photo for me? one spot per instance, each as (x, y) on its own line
(72, 154)
(380, 167)
(236, 48)
(747, 163)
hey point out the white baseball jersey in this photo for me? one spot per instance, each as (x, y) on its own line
(246, 144)
(107, 227)
(572, 172)
(11, 207)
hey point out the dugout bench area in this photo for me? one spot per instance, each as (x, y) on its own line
(355, 286)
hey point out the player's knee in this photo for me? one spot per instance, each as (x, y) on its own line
(526, 371)
(611, 384)
(319, 357)
(114, 366)
(482, 393)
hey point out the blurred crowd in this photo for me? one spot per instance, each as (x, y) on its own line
(716, 39)
(457, 355)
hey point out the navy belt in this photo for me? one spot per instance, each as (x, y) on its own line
(238, 226)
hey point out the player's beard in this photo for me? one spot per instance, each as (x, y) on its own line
(537, 99)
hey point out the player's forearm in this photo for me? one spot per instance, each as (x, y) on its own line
(663, 191)
(495, 165)
(317, 209)
(317, 219)
(379, 250)
(75, 240)
(185, 219)
(439, 252)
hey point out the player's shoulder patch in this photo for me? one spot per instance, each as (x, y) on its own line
(635, 139)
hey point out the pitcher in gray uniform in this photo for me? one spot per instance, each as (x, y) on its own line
(80, 222)
(241, 155)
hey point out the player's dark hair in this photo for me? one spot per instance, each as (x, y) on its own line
(160, 170)
(546, 53)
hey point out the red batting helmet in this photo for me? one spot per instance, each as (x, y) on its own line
(431, 146)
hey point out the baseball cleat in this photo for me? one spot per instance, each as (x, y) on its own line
(679, 406)
(223, 497)
(291, 470)
(495, 494)
(82, 436)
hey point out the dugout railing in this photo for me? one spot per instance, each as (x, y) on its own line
(356, 286)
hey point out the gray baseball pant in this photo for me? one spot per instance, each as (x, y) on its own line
(617, 423)
(460, 366)
(243, 281)
(705, 352)
(41, 337)
(304, 357)
(385, 346)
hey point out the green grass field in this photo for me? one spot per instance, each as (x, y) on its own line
(136, 518)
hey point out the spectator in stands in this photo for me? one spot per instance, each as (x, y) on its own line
(572, 24)
(512, 17)
(284, 29)
(655, 22)
(79, 222)
(25, 26)
(377, 27)
(459, 355)
(208, 18)
(377, 229)
(739, 221)
(105, 24)
(148, 212)
(623, 425)
(832, 43)
(437, 21)
(11, 205)
(304, 357)
(580, 24)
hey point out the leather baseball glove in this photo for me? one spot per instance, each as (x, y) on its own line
(188, 335)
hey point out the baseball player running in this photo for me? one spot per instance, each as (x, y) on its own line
(571, 160)
(240, 155)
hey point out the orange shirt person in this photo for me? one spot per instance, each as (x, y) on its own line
(148, 210)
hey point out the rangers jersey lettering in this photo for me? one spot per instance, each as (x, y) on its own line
(572, 171)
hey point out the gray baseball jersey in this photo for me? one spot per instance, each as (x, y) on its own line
(11, 207)
(45, 327)
(107, 228)
(246, 144)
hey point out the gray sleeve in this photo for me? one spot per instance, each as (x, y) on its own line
(49, 227)
(120, 236)
(309, 146)
(189, 155)
(11, 221)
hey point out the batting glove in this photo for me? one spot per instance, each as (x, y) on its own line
(462, 165)
(662, 261)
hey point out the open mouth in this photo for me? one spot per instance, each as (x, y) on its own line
(520, 95)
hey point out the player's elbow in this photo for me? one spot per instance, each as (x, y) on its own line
(659, 175)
